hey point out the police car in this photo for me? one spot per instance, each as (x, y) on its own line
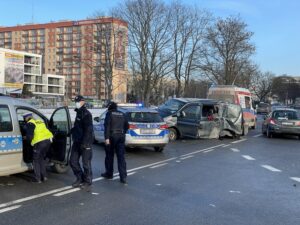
(146, 128)
(15, 151)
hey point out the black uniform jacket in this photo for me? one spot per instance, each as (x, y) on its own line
(83, 131)
(115, 123)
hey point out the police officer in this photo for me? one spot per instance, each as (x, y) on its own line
(83, 137)
(115, 127)
(40, 138)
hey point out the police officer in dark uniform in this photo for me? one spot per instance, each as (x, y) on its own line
(115, 128)
(83, 138)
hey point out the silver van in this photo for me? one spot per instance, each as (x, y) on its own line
(16, 152)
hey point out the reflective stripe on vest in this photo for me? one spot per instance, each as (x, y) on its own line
(41, 132)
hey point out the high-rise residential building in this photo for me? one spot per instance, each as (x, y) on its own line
(91, 54)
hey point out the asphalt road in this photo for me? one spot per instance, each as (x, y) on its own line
(252, 181)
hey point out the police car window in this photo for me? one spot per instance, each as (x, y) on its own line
(21, 112)
(5, 119)
(144, 117)
(60, 120)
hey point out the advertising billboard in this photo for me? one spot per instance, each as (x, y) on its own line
(14, 70)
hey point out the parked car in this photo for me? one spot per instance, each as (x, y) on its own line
(146, 128)
(263, 108)
(202, 118)
(282, 121)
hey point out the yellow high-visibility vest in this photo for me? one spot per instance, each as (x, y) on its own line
(41, 132)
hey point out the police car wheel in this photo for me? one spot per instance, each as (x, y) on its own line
(172, 134)
(158, 149)
(59, 168)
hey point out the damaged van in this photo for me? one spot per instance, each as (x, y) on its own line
(202, 118)
(16, 152)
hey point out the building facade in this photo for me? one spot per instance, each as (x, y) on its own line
(23, 71)
(91, 54)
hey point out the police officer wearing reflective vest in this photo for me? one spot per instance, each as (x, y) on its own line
(83, 138)
(40, 138)
(115, 128)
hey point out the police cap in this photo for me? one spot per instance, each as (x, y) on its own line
(26, 115)
(112, 106)
(79, 98)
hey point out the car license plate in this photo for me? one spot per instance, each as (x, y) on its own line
(147, 131)
(287, 124)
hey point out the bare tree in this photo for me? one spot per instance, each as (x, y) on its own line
(228, 50)
(262, 85)
(149, 39)
(188, 26)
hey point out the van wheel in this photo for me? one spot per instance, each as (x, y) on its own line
(173, 134)
(60, 168)
(158, 149)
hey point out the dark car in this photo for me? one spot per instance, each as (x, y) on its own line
(202, 118)
(282, 121)
(263, 108)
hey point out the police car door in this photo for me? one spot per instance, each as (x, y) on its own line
(60, 125)
(188, 120)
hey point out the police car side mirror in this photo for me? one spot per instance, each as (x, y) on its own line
(97, 119)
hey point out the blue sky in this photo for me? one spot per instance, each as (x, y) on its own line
(275, 23)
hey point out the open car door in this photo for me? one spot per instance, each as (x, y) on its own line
(60, 125)
(188, 120)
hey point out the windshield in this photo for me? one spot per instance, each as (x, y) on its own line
(144, 117)
(173, 105)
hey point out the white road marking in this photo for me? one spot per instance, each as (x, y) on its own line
(258, 135)
(248, 157)
(295, 179)
(238, 141)
(9, 208)
(202, 150)
(152, 164)
(158, 184)
(178, 161)
(34, 197)
(271, 168)
(238, 192)
(210, 150)
(128, 174)
(224, 146)
(66, 192)
(94, 193)
(187, 157)
(235, 150)
(212, 205)
(159, 165)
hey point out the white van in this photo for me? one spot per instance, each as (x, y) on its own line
(16, 152)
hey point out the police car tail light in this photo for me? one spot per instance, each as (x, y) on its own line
(132, 126)
(163, 127)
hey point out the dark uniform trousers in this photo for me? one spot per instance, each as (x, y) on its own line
(40, 150)
(117, 144)
(77, 151)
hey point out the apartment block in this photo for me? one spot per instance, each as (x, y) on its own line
(91, 54)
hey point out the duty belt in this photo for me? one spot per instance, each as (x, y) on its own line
(117, 132)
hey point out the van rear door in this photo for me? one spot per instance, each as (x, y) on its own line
(60, 125)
